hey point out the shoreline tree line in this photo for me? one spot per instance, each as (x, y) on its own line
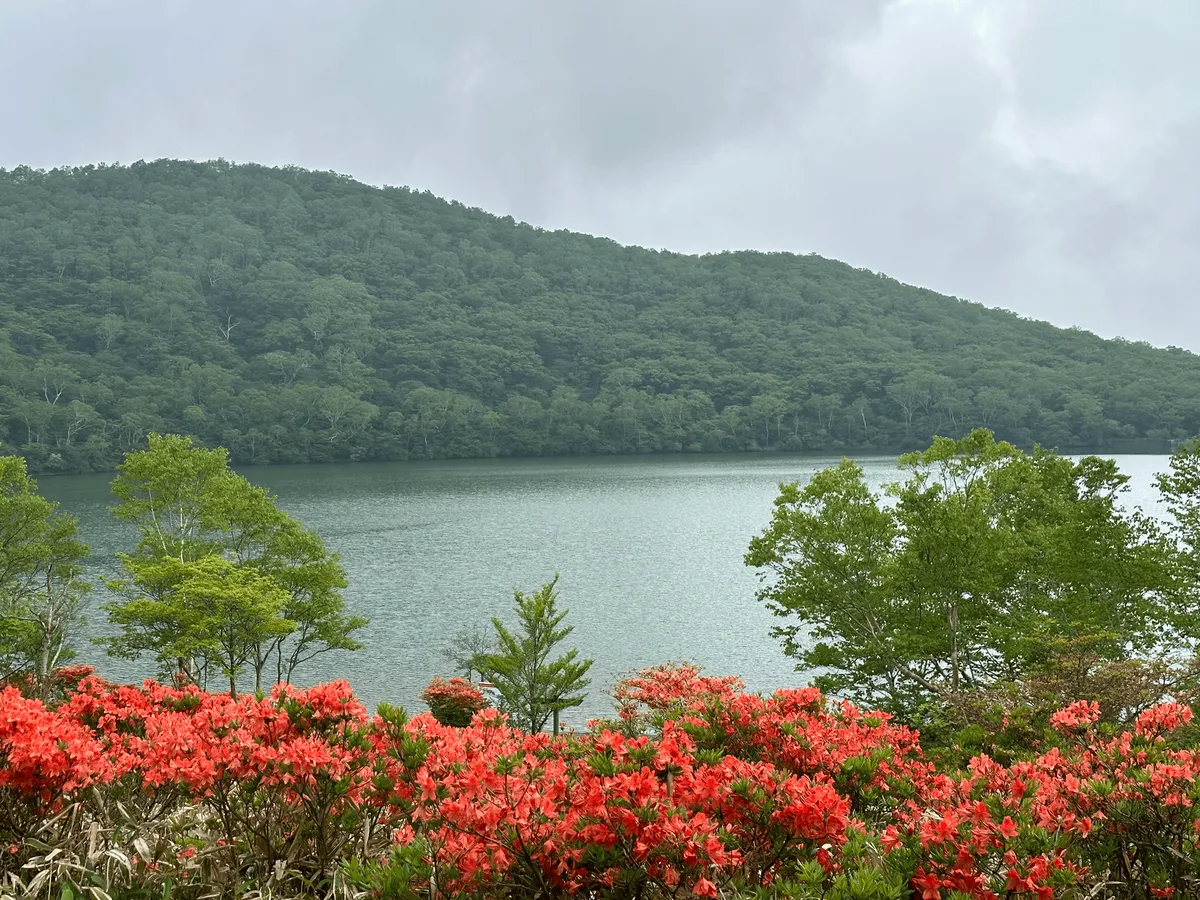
(295, 316)
(988, 579)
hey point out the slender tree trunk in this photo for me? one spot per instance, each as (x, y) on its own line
(556, 721)
(954, 649)
(43, 674)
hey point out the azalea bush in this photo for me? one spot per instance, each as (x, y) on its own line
(55, 688)
(696, 789)
(453, 701)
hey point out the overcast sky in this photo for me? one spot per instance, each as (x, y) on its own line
(1041, 155)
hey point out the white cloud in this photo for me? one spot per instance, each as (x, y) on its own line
(1038, 156)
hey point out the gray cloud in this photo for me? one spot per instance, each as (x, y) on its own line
(1037, 156)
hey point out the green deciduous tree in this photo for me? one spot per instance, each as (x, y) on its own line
(298, 561)
(208, 609)
(40, 577)
(535, 688)
(976, 569)
(189, 507)
(1180, 489)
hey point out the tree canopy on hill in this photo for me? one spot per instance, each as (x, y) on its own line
(297, 316)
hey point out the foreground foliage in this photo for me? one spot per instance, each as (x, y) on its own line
(533, 688)
(222, 581)
(41, 579)
(297, 316)
(453, 701)
(697, 789)
(979, 569)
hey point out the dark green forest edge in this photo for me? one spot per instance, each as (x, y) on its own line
(297, 316)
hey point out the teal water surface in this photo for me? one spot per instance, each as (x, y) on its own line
(649, 551)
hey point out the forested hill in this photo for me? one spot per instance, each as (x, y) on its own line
(301, 316)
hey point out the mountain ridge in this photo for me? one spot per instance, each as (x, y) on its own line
(299, 316)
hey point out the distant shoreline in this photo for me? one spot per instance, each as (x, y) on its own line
(1132, 447)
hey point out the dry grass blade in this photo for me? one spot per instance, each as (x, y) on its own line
(34, 888)
(93, 840)
(121, 857)
(143, 849)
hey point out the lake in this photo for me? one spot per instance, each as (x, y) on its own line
(649, 551)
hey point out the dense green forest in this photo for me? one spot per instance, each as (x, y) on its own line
(299, 316)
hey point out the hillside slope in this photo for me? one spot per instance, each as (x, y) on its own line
(301, 316)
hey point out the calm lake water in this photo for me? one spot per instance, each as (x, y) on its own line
(649, 551)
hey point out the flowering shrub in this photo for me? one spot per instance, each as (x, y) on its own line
(453, 702)
(1011, 721)
(172, 790)
(1078, 716)
(60, 683)
(1090, 813)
